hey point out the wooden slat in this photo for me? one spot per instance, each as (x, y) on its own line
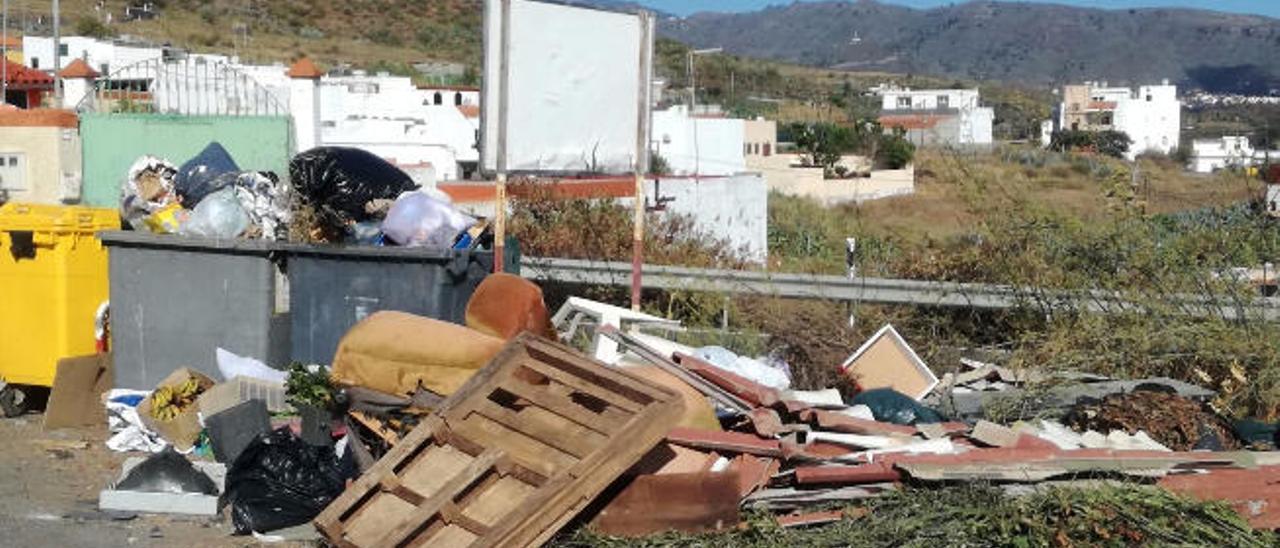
(453, 515)
(581, 385)
(529, 452)
(541, 424)
(605, 377)
(542, 397)
(526, 476)
(331, 519)
(483, 464)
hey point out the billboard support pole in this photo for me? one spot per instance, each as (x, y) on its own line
(500, 194)
(642, 153)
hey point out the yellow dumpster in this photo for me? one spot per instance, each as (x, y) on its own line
(53, 284)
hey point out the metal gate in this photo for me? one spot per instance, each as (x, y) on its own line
(173, 109)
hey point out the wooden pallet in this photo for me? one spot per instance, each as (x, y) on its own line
(510, 458)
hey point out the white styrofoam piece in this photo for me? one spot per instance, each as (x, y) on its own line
(819, 398)
(856, 440)
(158, 503)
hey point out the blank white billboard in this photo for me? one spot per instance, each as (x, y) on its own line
(578, 88)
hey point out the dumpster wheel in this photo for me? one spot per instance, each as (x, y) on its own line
(14, 400)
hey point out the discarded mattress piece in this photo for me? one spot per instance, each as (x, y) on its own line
(396, 353)
(531, 439)
(887, 361)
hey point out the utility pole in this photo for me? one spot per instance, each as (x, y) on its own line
(57, 54)
(4, 63)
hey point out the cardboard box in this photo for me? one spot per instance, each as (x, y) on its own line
(182, 431)
(75, 400)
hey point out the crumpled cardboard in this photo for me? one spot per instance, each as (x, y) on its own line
(396, 352)
(183, 430)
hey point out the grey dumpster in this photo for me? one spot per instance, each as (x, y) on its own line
(331, 288)
(175, 300)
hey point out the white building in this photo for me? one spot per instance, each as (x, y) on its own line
(938, 117)
(451, 95)
(699, 145)
(1230, 152)
(1150, 115)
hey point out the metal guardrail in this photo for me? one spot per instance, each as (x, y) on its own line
(875, 290)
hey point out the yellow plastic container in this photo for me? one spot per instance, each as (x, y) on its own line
(53, 280)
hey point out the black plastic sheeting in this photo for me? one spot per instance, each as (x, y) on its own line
(338, 182)
(888, 405)
(167, 472)
(280, 481)
(204, 175)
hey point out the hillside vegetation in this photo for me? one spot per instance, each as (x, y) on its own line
(1028, 43)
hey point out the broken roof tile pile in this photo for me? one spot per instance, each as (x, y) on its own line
(796, 453)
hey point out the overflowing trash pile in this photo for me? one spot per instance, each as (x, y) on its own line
(330, 195)
(504, 430)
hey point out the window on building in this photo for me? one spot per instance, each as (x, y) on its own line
(13, 171)
(62, 50)
(35, 62)
(457, 99)
(944, 101)
(104, 69)
(746, 149)
(768, 149)
(904, 102)
(1149, 98)
(438, 99)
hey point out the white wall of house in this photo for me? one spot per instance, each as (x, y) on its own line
(734, 208)
(972, 123)
(451, 95)
(930, 99)
(1150, 115)
(701, 146)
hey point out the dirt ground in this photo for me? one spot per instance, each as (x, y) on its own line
(49, 496)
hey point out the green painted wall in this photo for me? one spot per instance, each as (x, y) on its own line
(112, 142)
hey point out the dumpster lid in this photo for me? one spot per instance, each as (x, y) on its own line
(50, 218)
(123, 238)
(375, 252)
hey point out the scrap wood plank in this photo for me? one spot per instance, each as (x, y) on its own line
(691, 503)
(494, 467)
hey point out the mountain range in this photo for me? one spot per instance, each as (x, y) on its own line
(1032, 44)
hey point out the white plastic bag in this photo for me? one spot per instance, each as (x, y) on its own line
(219, 215)
(743, 366)
(418, 220)
(231, 365)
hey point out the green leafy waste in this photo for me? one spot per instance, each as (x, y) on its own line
(306, 388)
(984, 516)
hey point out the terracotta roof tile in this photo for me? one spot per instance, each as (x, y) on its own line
(17, 117)
(304, 68)
(79, 69)
(21, 75)
(470, 111)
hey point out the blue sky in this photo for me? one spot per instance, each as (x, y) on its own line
(1264, 7)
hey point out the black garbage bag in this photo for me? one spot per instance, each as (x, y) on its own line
(204, 174)
(167, 472)
(888, 405)
(339, 182)
(280, 481)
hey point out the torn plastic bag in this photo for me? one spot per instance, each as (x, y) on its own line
(266, 199)
(279, 481)
(202, 175)
(418, 220)
(167, 472)
(888, 405)
(147, 189)
(338, 182)
(217, 216)
(746, 367)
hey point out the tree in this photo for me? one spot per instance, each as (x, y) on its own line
(1109, 143)
(895, 151)
(823, 144)
(91, 26)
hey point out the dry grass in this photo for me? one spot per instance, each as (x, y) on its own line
(945, 193)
